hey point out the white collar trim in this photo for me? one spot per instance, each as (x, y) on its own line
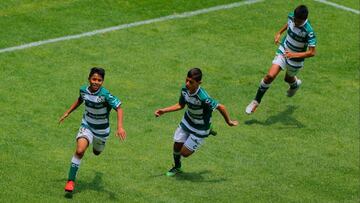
(88, 90)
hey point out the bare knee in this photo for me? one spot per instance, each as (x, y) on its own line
(269, 78)
(81, 146)
(185, 152)
(185, 155)
(79, 153)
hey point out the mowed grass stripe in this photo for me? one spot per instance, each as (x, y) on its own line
(129, 25)
(339, 6)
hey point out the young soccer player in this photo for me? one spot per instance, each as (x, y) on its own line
(298, 44)
(195, 124)
(95, 126)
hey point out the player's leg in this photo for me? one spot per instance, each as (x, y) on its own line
(99, 144)
(292, 80)
(177, 154)
(264, 85)
(83, 139)
(191, 145)
(266, 81)
(180, 137)
(185, 152)
(177, 159)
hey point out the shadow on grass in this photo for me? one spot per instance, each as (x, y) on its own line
(197, 177)
(284, 117)
(192, 177)
(96, 184)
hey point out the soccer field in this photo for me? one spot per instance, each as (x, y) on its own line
(300, 149)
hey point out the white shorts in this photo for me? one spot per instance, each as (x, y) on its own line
(190, 141)
(98, 142)
(280, 60)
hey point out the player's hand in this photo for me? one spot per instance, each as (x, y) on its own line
(277, 38)
(63, 118)
(233, 123)
(159, 112)
(289, 54)
(121, 133)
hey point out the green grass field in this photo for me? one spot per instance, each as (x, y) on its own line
(303, 149)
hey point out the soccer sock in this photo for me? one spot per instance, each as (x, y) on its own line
(75, 163)
(177, 157)
(294, 85)
(261, 91)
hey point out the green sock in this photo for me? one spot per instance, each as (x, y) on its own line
(177, 158)
(75, 163)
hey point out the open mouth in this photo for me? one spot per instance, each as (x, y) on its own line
(95, 86)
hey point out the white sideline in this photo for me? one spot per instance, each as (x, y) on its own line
(339, 6)
(124, 26)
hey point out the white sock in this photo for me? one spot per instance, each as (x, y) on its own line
(75, 160)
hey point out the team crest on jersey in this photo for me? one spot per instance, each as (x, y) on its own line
(100, 99)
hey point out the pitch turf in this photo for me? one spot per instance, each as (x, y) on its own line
(291, 150)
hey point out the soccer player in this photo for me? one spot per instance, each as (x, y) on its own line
(195, 124)
(298, 44)
(95, 126)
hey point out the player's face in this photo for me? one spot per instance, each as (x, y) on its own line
(298, 22)
(95, 82)
(191, 84)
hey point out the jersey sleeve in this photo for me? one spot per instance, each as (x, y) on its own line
(211, 103)
(182, 99)
(112, 100)
(81, 94)
(311, 39)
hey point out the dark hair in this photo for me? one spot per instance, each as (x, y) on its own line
(97, 70)
(195, 73)
(301, 12)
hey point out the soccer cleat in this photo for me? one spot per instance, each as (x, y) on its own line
(173, 171)
(291, 91)
(251, 107)
(69, 187)
(212, 131)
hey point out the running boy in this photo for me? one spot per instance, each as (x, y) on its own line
(95, 126)
(195, 124)
(299, 43)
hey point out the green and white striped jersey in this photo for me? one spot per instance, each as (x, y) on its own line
(97, 109)
(197, 117)
(297, 39)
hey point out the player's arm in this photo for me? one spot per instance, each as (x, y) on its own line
(278, 34)
(309, 53)
(120, 129)
(172, 108)
(76, 104)
(226, 116)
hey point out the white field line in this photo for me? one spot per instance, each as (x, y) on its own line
(135, 24)
(339, 6)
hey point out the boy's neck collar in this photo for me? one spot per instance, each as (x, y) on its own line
(88, 90)
(302, 25)
(192, 94)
